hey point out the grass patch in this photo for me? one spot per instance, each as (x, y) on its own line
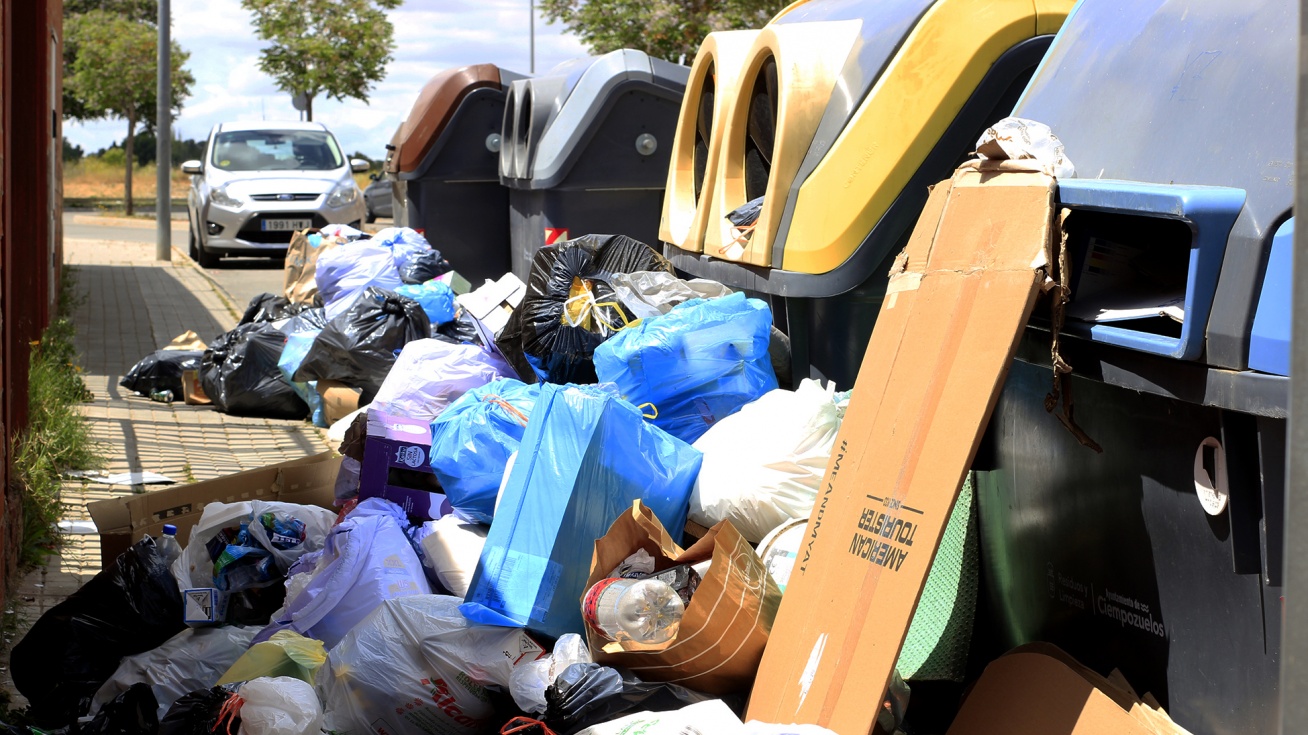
(95, 178)
(57, 437)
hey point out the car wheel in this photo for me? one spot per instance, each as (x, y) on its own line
(205, 258)
(370, 217)
(192, 249)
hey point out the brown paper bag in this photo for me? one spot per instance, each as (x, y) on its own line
(301, 264)
(726, 625)
(187, 341)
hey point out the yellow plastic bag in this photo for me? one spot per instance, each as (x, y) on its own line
(286, 653)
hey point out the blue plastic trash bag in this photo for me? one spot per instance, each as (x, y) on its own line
(403, 242)
(472, 440)
(437, 300)
(343, 273)
(697, 364)
(585, 456)
(366, 561)
(297, 346)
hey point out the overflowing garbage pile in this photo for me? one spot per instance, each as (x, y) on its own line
(504, 547)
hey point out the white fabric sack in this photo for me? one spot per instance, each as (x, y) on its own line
(530, 680)
(280, 705)
(193, 659)
(452, 551)
(1018, 139)
(763, 465)
(195, 569)
(430, 374)
(420, 651)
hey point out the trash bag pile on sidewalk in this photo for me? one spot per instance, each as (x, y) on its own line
(507, 547)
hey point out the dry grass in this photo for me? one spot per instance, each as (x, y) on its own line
(93, 178)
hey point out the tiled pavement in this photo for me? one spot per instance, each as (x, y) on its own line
(133, 305)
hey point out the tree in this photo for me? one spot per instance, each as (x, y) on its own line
(114, 73)
(336, 48)
(146, 11)
(665, 29)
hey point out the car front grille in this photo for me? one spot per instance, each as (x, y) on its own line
(282, 197)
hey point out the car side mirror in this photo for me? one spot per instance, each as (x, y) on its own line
(358, 165)
(194, 168)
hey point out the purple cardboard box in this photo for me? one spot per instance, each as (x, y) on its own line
(396, 466)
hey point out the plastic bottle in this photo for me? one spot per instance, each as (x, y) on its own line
(161, 396)
(168, 544)
(634, 610)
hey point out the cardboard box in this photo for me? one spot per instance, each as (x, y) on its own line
(192, 392)
(124, 521)
(397, 466)
(457, 283)
(338, 399)
(491, 306)
(1040, 690)
(204, 606)
(956, 304)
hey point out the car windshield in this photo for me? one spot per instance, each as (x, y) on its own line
(276, 150)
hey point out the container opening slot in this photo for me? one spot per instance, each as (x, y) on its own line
(761, 130)
(1129, 270)
(704, 128)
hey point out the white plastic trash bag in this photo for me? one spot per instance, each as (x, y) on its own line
(193, 659)
(345, 272)
(281, 705)
(710, 717)
(195, 567)
(763, 465)
(430, 373)
(651, 293)
(530, 680)
(452, 550)
(1018, 139)
(416, 666)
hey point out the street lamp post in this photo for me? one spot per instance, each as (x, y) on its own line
(163, 209)
(532, 8)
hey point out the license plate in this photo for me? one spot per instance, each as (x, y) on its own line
(282, 225)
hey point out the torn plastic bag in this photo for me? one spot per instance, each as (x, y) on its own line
(203, 712)
(297, 346)
(279, 706)
(358, 347)
(309, 320)
(569, 308)
(435, 297)
(585, 456)
(429, 374)
(416, 665)
(588, 694)
(268, 307)
(696, 365)
(218, 524)
(452, 550)
(473, 438)
(366, 561)
(423, 267)
(75, 646)
(286, 653)
(239, 374)
(161, 370)
(189, 660)
(344, 273)
(530, 680)
(650, 293)
(763, 465)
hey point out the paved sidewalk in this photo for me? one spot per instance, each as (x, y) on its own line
(134, 305)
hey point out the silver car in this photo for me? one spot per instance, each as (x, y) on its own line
(260, 182)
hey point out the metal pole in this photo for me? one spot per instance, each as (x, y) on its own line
(163, 129)
(1294, 622)
(532, 8)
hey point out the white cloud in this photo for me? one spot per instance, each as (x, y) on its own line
(430, 35)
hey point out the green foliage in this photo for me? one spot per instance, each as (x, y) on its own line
(72, 153)
(114, 156)
(665, 29)
(146, 11)
(57, 437)
(332, 48)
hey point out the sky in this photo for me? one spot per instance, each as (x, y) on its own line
(430, 35)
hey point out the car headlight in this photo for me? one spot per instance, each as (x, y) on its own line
(344, 194)
(220, 197)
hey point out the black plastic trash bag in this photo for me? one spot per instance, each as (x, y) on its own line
(239, 373)
(569, 307)
(73, 649)
(161, 370)
(588, 694)
(132, 712)
(424, 267)
(358, 347)
(309, 320)
(459, 330)
(268, 307)
(201, 713)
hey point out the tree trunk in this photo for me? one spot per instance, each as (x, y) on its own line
(308, 107)
(129, 147)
